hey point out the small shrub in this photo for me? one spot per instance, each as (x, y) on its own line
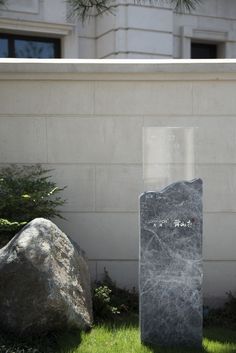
(102, 308)
(225, 316)
(26, 192)
(110, 300)
(230, 307)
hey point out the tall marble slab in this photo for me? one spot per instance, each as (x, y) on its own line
(171, 265)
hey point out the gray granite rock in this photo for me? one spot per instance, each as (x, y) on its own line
(45, 282)
(171, 265)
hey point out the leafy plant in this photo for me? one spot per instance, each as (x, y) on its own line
(26, 192)
(102, 307)
(110, 300)
(126, 300)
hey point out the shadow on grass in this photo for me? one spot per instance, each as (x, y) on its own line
(156, 349)
(219, 334)
(67, 341)
(50, 343)
(71, 340)
(13, 343)
(133, 321)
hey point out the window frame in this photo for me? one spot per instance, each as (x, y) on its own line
(12, 37)
(224, 40)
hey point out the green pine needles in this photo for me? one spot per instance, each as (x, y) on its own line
(26, 192)
(183, 5)
(85, 8)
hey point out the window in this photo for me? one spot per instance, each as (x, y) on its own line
(204, 51)
(17, 46)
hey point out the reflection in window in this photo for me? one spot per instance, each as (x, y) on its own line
(203, 51)
(33, 49)
(16, 46)
(3, 48)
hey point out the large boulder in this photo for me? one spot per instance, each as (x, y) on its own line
(44, 282)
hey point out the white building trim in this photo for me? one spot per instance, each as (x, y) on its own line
(224, 38)
(67, 32)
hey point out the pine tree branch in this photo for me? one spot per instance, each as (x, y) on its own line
(85, 8)
(183, 5)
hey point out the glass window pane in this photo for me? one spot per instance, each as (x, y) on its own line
(4, 48)
(34, 49)
(203, 51)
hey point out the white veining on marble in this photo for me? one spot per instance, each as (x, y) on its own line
(171, 265)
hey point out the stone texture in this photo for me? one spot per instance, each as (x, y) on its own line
(45, 283)
(171, 265)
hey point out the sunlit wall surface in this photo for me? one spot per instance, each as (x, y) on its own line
(168, 155)
(85, 121)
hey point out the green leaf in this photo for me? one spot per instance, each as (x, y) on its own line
(25, 196)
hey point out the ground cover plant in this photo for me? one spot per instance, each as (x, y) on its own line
(26, 192)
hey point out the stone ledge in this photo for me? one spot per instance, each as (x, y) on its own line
(107, 69)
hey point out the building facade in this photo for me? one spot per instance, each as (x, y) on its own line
(45, 28)
(85, 120)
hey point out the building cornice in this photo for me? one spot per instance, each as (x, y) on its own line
(110, 69)
(39, 27)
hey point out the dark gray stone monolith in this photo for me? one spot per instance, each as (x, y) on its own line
(171, 265)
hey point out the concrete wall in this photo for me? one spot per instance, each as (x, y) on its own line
(141, 30)
(85, 119)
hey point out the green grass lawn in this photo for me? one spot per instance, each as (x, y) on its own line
(125, 338)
